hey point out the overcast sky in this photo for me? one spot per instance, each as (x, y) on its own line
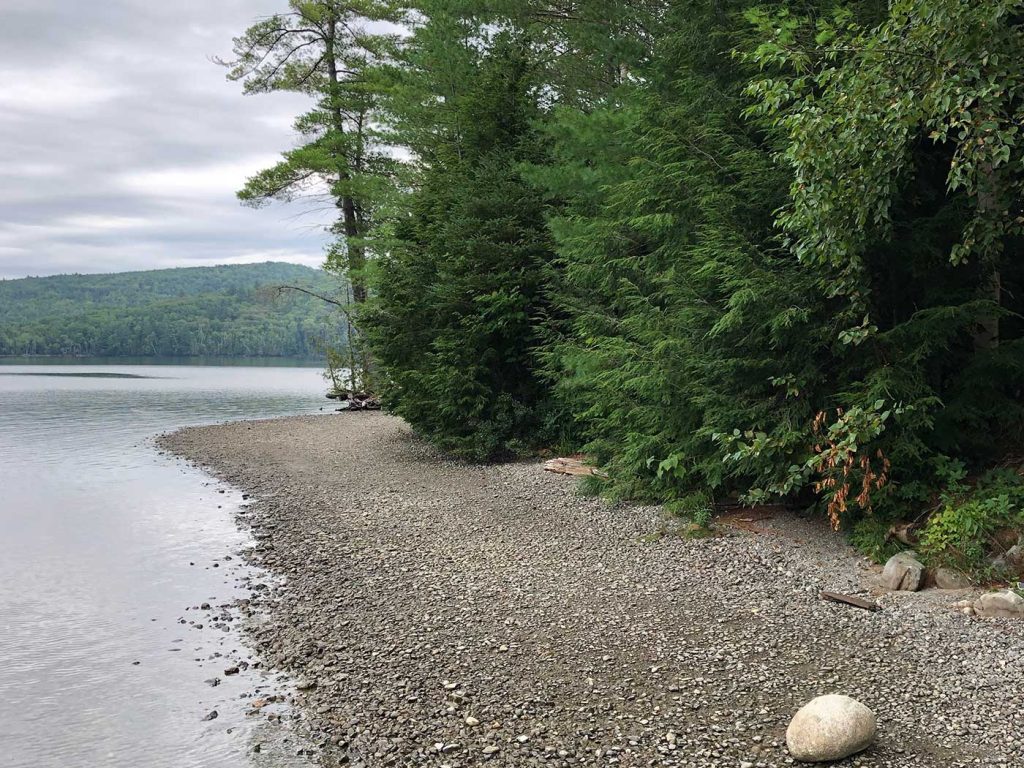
(121, 144)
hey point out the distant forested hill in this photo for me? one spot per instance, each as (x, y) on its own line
(229, 311)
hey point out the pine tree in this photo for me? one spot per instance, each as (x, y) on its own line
(326, 49)
(330, 50)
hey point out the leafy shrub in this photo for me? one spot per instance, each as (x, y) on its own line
(871, 536)
(963, 532)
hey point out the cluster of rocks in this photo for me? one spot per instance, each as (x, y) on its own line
(444, 614)
(1004, 604)
(904, 572)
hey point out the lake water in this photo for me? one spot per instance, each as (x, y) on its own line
(105, 547)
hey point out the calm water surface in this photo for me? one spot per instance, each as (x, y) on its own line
(105, 546)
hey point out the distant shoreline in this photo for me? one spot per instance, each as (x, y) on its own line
(311, 362)
(232, 311)
(83, 375)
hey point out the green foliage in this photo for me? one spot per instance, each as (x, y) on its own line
(899, 131)
(700, 349)
(857, 98)
(963, 532)
(454, 321)
(871, 536)
(685, 317)
(846, 475)
(698, 507)
(742, 249)
(229, 311)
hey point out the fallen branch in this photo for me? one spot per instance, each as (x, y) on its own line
(856, 602)
(571, 466)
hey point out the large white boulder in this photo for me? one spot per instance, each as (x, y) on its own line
(830, 728)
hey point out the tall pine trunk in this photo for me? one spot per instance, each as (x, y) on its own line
(355, 257)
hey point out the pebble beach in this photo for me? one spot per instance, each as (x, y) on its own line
(438, 613)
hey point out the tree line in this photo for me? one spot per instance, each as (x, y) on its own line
(229, 311)
(755, 251)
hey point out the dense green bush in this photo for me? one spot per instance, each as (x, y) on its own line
(965, 530)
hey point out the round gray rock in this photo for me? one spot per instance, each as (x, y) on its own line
(830, 728)
(947, 578)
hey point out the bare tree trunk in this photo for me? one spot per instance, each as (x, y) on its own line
(987, 336)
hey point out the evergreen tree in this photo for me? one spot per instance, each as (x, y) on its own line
(454, 324)
(326, 49)
(687, 319)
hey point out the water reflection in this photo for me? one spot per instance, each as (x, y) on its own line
(107, 550)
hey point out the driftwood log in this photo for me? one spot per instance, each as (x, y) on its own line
(355, 401)
(570, 466)
(856, 602)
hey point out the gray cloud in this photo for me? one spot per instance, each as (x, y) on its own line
(121, 144)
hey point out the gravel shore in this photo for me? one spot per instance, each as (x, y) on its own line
(442, 614)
